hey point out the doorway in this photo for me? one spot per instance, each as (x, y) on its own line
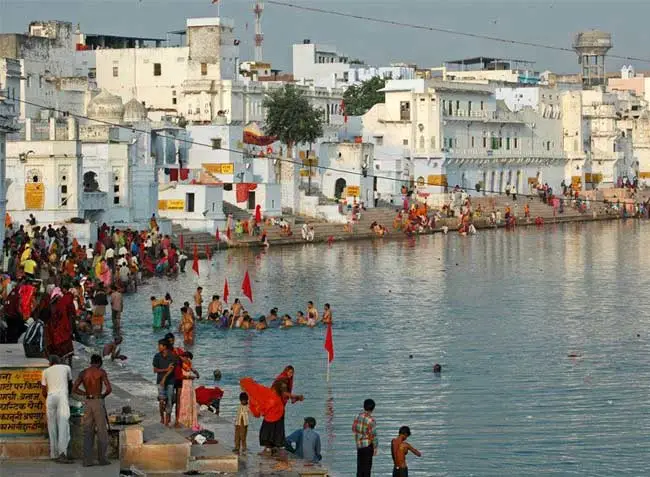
(251, 199)
(189, 199)
(339, 187)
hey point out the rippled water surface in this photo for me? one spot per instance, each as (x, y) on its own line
(500, 311)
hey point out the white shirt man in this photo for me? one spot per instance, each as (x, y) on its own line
(55, 382)
(90, 253)
(110, 253)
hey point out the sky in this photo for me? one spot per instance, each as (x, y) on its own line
(552, 22)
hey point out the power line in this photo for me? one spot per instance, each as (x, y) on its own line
(477, 36)
(272, 157)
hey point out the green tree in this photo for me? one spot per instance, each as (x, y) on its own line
(291, 117)
(358, 99)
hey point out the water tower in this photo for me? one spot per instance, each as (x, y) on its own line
(592, 47)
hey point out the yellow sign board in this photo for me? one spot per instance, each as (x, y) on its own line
(437, 180)
(644, 175)
(162, 204)
(34, 195)
(222, 168)
(352, 191)
(175, 204)
(22, 405)
(305, 173)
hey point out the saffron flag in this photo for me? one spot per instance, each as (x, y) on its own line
(226, 291)
(246, 287)
(329, 344)
(343, 112)
(228, 234)
(195, 262)
(208, 252)
(181, 242)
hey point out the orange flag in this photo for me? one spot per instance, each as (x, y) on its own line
(195, 262)
(226, 291)
(246, 287)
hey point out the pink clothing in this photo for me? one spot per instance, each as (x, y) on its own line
(188, 415)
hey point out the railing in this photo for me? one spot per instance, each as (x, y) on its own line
(501, 153)
(502, 116)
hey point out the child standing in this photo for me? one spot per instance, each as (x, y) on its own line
(241, 424)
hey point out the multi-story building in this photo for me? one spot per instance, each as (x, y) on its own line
(455, 133)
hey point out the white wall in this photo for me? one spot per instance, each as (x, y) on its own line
(208, 206)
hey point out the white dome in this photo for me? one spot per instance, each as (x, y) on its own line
(134, 111)
(107, 107)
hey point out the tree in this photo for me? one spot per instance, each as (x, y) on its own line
(358, 99)
(291, 118)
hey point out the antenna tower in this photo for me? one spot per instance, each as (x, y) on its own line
(259, 36)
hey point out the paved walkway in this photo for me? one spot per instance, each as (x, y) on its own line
(47, 468)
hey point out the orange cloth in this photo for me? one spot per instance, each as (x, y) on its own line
(262, 401)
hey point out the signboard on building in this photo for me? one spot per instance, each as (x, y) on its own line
(223, 168)
(352, 191)
(437, 180)
(34, 195)
(22, 405)
(175, 204)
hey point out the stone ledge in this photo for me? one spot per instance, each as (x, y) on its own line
(24, 448)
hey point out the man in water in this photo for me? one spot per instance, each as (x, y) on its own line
(113, 349)
(365, 437)
(307, 442)
(214, 308)
(117, 306)
(198, 303)
(96, 387)
(399, 448)
(56, 383)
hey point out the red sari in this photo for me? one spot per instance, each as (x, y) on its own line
(58, 330)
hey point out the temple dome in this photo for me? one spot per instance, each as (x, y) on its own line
(134, 111)
(106, 107)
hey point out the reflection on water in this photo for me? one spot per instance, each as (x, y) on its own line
(500, 311)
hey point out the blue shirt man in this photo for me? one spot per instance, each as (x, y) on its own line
(307, 442)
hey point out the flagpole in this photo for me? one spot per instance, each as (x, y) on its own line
(328, 368)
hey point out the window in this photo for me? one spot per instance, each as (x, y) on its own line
(29, 81)
(157, 69)
(379, 140)
(516, 143)
(189, 202)
(484, 142)
(227, 187)
(508, 143)
(481, 105)
(173, 100)
(216, 143)
(472, 141)
(433, 142)
(405, 110)
(40, 81)
(405, 142)
(116, 71)
(548, 145)
(457, 105)
(204, 69)
(469, 108)
(64, 189)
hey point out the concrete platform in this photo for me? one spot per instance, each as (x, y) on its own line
(19, 448)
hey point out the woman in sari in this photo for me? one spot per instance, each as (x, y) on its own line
(270, 403)
(186, 326)
(188, 412)
(166, 311)
(157, 311)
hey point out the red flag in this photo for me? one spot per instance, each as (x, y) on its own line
(181, 242)
(195, 263)
(214, 1)
(246, 287)
(208, 252)
(226, 291)
(228, 233)
(343, 112)
(217, 236)
(329, 344)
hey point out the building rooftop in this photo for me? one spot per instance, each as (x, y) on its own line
(490, 63)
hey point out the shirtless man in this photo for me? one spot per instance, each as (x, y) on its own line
(312, 314)
(399, 448)
(113, 349)
(214, 308)
(93, 380)
(327, 314)
(198, 303)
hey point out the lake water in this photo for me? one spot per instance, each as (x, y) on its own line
(500, 311)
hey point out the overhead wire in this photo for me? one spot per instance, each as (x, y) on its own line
(246, 153)
(448, 31)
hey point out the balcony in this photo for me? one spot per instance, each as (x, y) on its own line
(94, 200)
(496, 154)
(485, 116)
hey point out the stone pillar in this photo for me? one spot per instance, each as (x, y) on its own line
(289, 182)
(7, 125)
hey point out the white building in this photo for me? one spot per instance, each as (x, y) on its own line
(324, 66)
(457, 133)
(61, 170)
(7, 126)
(356, 183)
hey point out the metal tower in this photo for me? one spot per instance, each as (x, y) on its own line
(259, 37)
